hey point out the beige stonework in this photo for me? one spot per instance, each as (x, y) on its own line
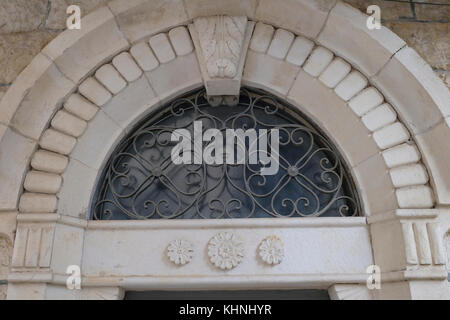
(383, 158)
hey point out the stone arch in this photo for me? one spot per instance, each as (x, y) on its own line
(51, 112)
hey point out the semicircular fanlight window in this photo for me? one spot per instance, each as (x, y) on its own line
(258, 159)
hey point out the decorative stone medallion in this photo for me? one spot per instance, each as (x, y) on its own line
(271, 250)
(226, 250)
(180, 252)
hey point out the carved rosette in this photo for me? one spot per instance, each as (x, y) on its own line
(226, 250)
(180, 252)
(271, 250)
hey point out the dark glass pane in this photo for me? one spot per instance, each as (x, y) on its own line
(141, 181)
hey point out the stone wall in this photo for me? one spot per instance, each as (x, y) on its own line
(26, 26)
(424, 26)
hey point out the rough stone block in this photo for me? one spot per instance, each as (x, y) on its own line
(81, 107)
(41, 101)
(110, 78)
(77, 52)
(58, 142)
(427, 99)
(162, 48)
(368, 49)
(37, 203)
(415, 197)
(144, 56)
(262, 36)
(269, 73)
(181, 41)
(281, 43)
(95, 92)
(319, 59)
(304, 17)
(379, 117)
(300, 50)
(409, 175)
(15, 153)
(139, 19)
(351, 85)
(69, 124)
(180, 75)
(42, 182)
(365, 101)
(401, 155)
(336, 71)
(49, 161)
(391, 135)
(127, 67)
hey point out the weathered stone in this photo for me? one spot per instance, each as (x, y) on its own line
(269, 73)
(389, 9)
(281, 43)
(415, 197)
(401, 155)
(300, 50)
(47, 94)
(37, 202)
(162, 48)
(430, 40)
(365, 101)
(391, 135)
(94, 91)
(131, 104)
(127, 67)
(375, 186)
(81, 107)
(55, 141)
(319, 59)
(425, 101)
(68, 123)
(139, 19)
(203, 8)
(144, 56)
(368, 49)
(78, 52)
(262, 36)
(379, 117)
(15, 153)
(181, 41)
(20, 88)
(92, 148)
(409, 175)
(57, 16)
(110, 78)
(42, 182)
(304, 17)
(436, 12)
(436, 154)
(351, 85)
(22, 15)
(18, 49)
(49, 161)
(179, 75)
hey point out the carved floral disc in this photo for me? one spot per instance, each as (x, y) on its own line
(271, 250)
(225, 250)
(180, 252)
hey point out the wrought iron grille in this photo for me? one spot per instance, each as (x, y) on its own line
(140, 180)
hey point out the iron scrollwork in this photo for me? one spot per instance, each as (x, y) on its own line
(140, 181)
